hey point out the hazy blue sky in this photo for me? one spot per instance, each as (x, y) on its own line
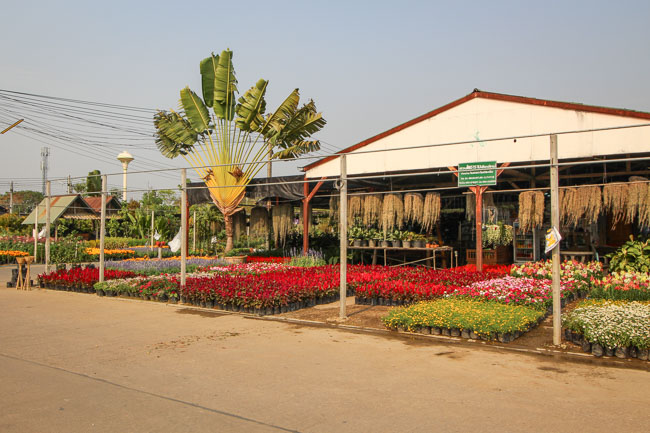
(368, 65)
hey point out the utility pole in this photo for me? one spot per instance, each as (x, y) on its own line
(555, 223)
(183, 226)
(69, 185)
(11, 197)
(343, 233)
(102, 229)
(47, 227)
(36, 235)
(45, 153)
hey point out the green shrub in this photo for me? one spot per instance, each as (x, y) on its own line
(632, 256)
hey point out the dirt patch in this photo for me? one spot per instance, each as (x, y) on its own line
(366, 316)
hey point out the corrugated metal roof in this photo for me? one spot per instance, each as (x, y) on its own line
(64, 206)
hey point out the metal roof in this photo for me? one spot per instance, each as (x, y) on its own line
(64, 206)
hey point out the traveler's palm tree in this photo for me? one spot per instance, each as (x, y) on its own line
(228, 145)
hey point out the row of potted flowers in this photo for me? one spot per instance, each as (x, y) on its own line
(79, 279)
(610, 328)
(465, 318)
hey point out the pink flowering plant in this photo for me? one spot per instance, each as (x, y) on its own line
(630, 286)
(581, 276)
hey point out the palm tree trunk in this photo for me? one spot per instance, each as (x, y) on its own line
(229, 232)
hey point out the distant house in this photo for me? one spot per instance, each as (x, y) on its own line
(113, 205)
(3, 210)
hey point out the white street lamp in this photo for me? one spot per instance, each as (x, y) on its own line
(124, 157)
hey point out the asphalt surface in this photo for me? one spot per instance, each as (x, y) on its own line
(78, 363)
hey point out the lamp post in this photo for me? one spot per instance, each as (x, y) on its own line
(124, 157)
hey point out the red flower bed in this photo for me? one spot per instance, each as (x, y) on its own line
(407, 285)
(81, 278)
(256, 259)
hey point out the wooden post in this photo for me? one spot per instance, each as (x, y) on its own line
(343, 233)
(305, 218)
(36, 236)
(478, 192)
(47, 226)
(194, 233)
(153, 217)
(555, 222)
(183, 226)
(102, 229)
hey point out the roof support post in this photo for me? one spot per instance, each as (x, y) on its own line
(343, 234)
(184, 217)
(555, 222)
(305, 211)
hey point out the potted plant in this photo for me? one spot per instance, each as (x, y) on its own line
(355, 235)
(407, 239)
(419, 240)
(395, 238)
(373, 236)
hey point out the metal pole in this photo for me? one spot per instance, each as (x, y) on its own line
(183, 225)
(11, 197)
(305, 219)
(194, 233)
(102, 230)
(47, 226)
(478, 192)
(555, 222)
(152, 227)
(36, 236)
(343, 233)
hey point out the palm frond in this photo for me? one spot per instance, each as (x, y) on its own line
(208, 68)
(275, 121)
(195, 110)
(297, 148)
(225, 86)
(251, 107)
(174, 134)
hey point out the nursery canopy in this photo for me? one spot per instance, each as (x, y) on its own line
(64, 206)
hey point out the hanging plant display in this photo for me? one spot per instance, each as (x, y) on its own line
(431, 211)
(371, 209)
(531, 210)
(282, 217)
(239, 224)
(637, 203)
(392, 212)
(615, 201)
(580, 202)
(470, 204)
(259, 222)
(413, 207)
(334, 207)
(355, 210)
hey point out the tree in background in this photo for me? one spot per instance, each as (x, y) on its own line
(228, 146)
(94, 183)
(24, 201)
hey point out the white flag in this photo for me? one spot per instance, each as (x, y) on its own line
(41, 234)
(156, 235)
(175, 244)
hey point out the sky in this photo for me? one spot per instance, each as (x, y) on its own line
(368, 65)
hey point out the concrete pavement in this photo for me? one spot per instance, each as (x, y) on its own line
(75, 363)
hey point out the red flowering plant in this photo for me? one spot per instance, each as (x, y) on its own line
(80, 278)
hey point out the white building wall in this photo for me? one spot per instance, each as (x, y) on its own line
(480, 119)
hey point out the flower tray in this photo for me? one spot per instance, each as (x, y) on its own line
(598, 350)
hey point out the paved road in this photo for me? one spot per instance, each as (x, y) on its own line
(79, 363)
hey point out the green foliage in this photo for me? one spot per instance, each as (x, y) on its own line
(12, 224)
(24, 201)
(69, 250)
(117, 243)
(238, 252)
(632, 256)
(94, 183)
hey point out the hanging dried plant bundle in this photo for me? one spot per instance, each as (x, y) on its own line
(282, 217)
(259, 222)
(594, 200)
(355, 209)
(488, 200)
(301, 216)
(431, 211)
(470, 207)
(239, 224)
(615, 201)
(413, 207)
(392, 212)
(526, 210)
(538, 209)
(644, 207)
(334, 207)
(371, 209)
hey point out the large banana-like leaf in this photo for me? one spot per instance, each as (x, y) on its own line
(195, 110)
(251, 107)
(208, 68)
(297, 148)
(303, 124)
(225, 86)
(275, 121)
(174, 135)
